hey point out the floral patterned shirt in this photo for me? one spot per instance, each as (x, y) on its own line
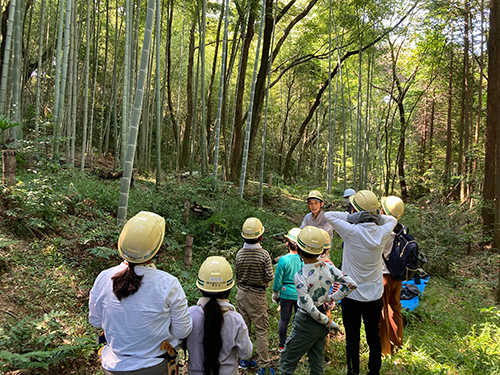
(313, 283)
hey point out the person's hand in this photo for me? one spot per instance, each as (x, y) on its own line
(332, 326)
(275, 297)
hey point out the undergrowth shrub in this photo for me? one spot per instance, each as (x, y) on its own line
(38, 343)
(34, 206)
(443, 232)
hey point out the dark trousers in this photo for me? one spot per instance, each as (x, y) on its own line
(370, 312)
(287, 305)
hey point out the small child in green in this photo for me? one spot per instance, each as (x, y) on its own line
(311, 325)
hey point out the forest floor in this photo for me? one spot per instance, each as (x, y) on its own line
(45, 280)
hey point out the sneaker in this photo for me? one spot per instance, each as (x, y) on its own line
(265, 371)
(244, 364)
(280, 349)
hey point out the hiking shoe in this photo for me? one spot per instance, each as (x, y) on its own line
(280, 349)
(244, 364)
(265, 371)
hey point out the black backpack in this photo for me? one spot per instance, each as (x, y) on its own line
(404, 259)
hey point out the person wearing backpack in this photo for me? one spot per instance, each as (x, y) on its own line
(391, 322)
(365, 234)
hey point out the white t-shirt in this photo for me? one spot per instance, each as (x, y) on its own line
(362, 256)
(136, 326)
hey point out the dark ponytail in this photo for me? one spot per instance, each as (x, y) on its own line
(126, 282)
(212, 339)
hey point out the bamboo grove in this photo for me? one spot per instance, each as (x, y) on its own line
(389, 95)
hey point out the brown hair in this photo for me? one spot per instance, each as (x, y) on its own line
(126, 282)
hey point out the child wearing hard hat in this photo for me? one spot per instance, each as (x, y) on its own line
(316, 217)
(219, 333)
(284, 291)
(133, 298)
(311, 325)
(254, 272)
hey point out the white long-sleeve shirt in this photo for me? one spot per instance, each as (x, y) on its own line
(135, 326)
(362, 256)
(235, 339)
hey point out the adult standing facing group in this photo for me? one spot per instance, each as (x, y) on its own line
(316, 218)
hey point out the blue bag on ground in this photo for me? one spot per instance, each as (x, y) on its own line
(404, 259)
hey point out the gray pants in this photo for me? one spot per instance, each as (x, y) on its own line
(307, 336)
(159, 369)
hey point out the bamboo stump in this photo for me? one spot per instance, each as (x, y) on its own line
(9, 167)
(188, 251)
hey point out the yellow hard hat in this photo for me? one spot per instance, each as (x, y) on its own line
(252, 228)
(327, 241)
(310, 240)
(315, 194)
(393, 206)
(141, 237)
(215, 275)
(292, 234)
(365, 200)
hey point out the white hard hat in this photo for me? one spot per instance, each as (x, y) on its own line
(349, 192)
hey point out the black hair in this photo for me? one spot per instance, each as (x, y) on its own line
(398, 228)
(253, 241)
(126, 282)
(292, 245)
(212, 339)
(306, 255)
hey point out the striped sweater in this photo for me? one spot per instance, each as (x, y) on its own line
(254, 270)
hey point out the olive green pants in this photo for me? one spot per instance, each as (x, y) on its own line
(307, 336)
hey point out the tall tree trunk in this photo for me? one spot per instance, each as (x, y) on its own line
(158, 94)
(447, 165)
(203, 144)
(480, 98)
(136, 114)
(184, 159)
(126, 81)
(86, 89)
(16, 132)
(491, 190)
(7, 56)
(236, 150)
(464, 110)
(38, 72)
(225, 12)
(212, 79)
(170, 16)
(261, 78)
(246, 146)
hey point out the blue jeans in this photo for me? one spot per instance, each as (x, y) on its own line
(287, 305)
(352, 312)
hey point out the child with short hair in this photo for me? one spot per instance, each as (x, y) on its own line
(254, 272)
(311, 325)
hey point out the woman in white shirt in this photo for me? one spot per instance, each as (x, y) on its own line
(138, 306)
